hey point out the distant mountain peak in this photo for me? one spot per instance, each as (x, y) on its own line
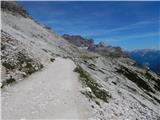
(100, 48)
(145, 50)
(78, 40)
(149, 57)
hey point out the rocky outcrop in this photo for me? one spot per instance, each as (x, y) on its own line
(13, 7)
(78, 41)
(107, 50)
(100, 48)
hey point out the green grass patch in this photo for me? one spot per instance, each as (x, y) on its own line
(150, 77)
(8, 65)
(157, 85)
(92, 84)
(135, 78)
(87, 57)
(11, 80)
(52, 59)
(8, 81)
(29, 67)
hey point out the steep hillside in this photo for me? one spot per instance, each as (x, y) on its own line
(27, 45)
(110, 87)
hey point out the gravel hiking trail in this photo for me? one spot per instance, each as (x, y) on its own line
(52, 93)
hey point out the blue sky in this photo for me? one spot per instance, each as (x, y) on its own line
(130, 25)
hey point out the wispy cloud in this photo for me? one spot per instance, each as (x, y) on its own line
(117, 22)
(137, 25)
(138, 36)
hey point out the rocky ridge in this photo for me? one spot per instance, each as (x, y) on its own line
(78, 41)
(100, 48)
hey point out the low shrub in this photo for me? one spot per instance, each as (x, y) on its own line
(134, 78)
(10, 80)
(86, 57)
(8, 65)
(92, 84)
(52, 59)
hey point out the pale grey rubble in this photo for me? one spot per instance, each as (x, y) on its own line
(39, 60)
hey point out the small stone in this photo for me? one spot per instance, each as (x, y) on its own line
(88, 89)
(36, 68)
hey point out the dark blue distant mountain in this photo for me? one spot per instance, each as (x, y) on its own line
(147, 57)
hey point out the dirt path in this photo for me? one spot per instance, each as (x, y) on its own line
(49, 94)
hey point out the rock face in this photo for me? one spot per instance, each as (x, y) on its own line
(99, 48)
(14, 8)
(78, 41)
(115, 88)
(107, 50)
